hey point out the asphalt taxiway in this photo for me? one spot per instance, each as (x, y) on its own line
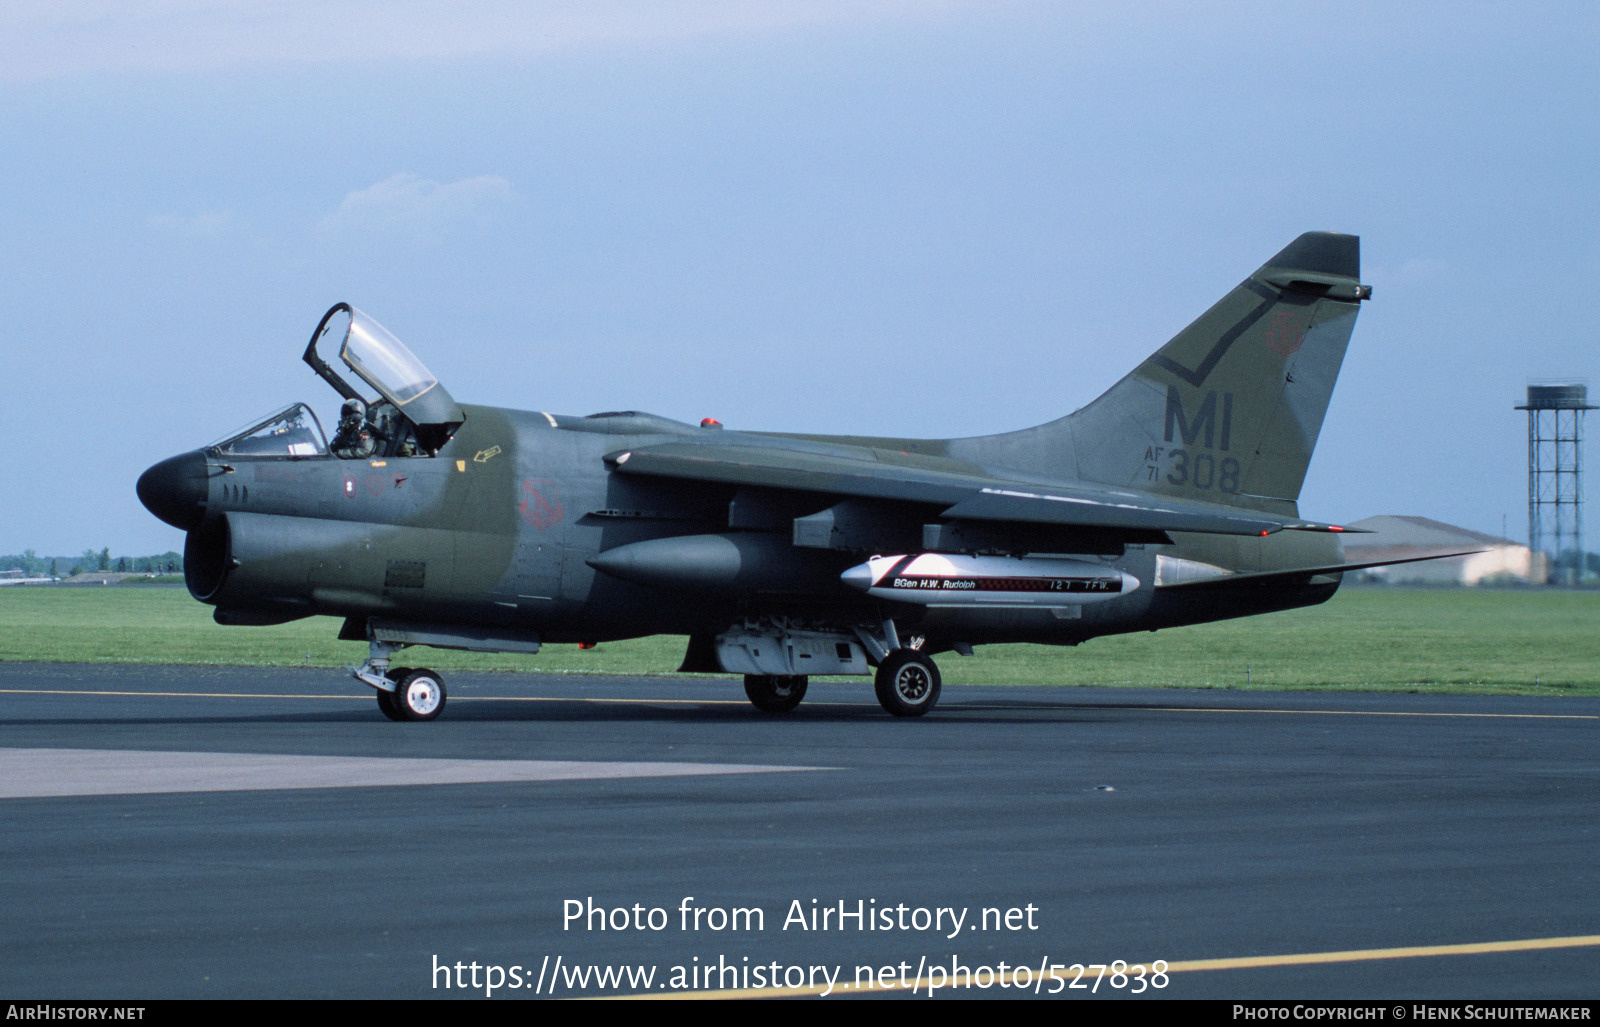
(218, 832)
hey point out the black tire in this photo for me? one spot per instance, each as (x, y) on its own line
(386, 700)
(907, 683)
(420, 695)
(772, 693)
(388, 706)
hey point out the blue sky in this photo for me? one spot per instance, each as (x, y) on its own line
(924, 219)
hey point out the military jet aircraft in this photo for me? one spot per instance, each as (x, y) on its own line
(1169, 500)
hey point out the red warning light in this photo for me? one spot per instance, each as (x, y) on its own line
(587, 645)
(710, 422)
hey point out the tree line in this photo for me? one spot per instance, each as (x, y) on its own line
(36, 566)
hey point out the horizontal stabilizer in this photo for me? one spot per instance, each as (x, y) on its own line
(1225, 578)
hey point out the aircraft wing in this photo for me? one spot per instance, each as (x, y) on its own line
(962, 491)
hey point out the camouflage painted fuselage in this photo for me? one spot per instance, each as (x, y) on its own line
(1177, 488)
(498, 530)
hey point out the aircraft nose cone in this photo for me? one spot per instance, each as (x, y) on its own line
(175, 490)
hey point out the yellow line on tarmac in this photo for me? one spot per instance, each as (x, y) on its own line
(634, 700)
(1407, 952)
(367, 698)
(363, 698)
(174, 695)
(1371, 713)
(1067, 707)
(1181, 966)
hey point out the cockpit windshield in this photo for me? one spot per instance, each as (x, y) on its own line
(383, 361)
(292, 431)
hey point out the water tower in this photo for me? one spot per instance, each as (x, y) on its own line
(1555, 472)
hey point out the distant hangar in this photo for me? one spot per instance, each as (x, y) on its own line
(1394, 537)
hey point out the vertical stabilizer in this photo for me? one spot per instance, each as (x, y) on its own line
(1229, 410)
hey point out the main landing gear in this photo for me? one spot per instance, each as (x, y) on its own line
(775, 693)
(403, 693)
(907, 683)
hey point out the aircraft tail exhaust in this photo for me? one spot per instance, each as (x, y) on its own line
(1230, 409)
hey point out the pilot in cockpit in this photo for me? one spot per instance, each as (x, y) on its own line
(354, 440)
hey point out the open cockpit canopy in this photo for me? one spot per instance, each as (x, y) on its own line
(384, 362)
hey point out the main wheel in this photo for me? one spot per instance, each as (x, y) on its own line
(386, 700)
(773, 693)
(907, 683)
(419, 695)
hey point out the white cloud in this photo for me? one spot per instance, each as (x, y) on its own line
(420, 209)
(41, 39)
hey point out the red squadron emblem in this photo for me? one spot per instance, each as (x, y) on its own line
(1283, 336)
(536, 509)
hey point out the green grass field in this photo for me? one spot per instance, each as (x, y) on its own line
(1544, 642)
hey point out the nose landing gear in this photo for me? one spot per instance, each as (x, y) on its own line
(403, 693)
(417, 695)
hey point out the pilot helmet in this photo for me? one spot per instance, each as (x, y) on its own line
(353, 409)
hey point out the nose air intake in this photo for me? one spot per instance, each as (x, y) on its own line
(175, 489)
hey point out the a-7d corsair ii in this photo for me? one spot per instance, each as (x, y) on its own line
(1169, 500)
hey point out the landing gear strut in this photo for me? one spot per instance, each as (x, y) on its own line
(775, 693)
(403, 693)
(907, 683)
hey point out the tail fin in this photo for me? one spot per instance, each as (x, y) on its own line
(1229, 410)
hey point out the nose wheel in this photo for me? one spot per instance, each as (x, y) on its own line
(417, 695)
(420, 695)
(775, 693)
(907, 683)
